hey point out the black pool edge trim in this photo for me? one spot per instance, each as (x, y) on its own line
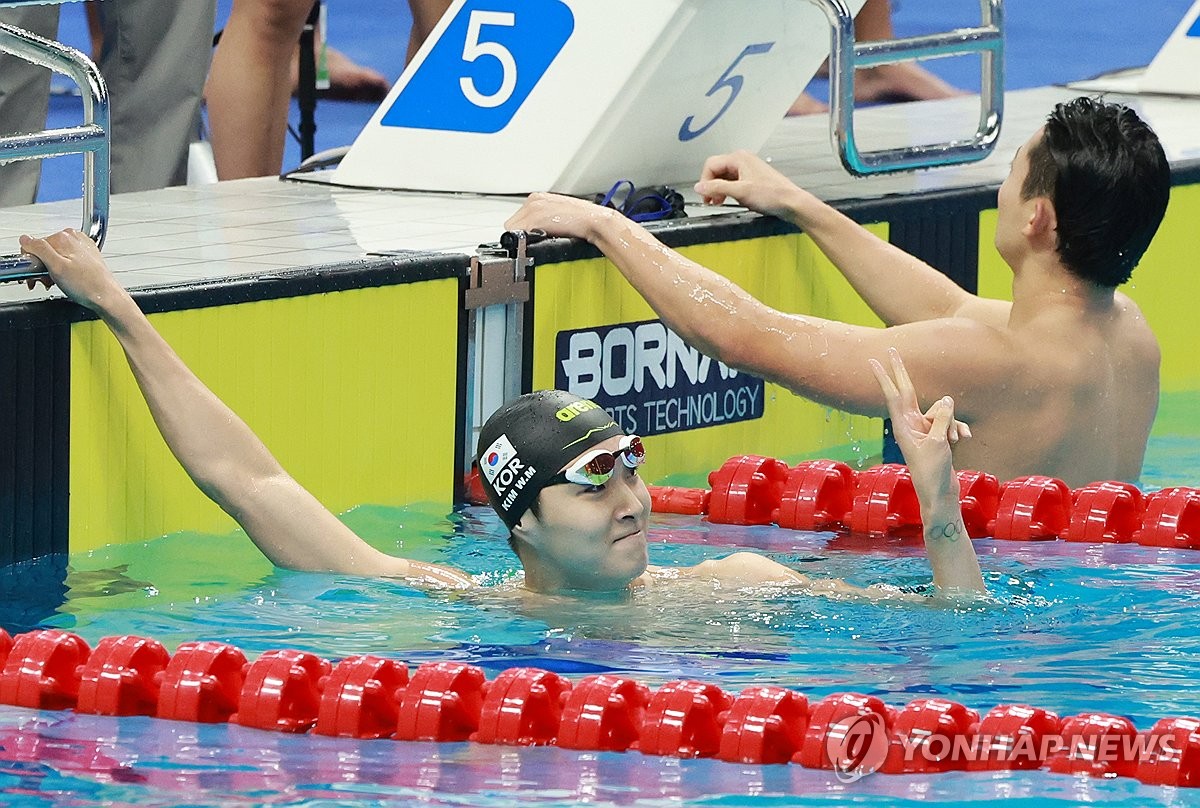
(360, 273)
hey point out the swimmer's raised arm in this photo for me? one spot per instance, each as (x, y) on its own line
(898, 287)
(820, 359)
(925, 439)
(225, 459)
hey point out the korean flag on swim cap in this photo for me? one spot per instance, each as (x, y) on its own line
(529, 440)
(496, 458)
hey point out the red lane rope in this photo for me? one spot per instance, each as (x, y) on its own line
(373, 697)
(881, 501)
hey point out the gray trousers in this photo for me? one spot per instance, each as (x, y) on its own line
(155, 60)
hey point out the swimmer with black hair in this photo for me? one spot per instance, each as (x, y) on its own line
(558, 470)
(563, 476)
(1063, 380)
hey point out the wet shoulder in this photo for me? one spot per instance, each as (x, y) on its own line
(1135, 332)
(743, 568)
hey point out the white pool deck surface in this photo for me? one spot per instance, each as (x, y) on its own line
(265, 226)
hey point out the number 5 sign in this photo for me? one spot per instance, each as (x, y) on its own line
(511, 96)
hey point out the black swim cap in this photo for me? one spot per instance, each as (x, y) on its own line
(529, 440)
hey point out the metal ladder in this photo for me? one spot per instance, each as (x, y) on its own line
(91, 138)
(846, 56)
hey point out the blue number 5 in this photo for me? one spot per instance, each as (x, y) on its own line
(733, 82)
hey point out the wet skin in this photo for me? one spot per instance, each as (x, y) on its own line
(587, 537)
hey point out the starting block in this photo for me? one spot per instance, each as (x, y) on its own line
(1176, 68)
(512, 96)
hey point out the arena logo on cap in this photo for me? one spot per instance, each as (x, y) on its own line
(569, 412)
(650, 381)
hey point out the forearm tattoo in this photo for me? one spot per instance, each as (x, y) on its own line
(946, 531)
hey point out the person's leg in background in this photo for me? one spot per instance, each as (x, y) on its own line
(95, 26)
(903, 81)
(425, 15)
(24, 102)
(250, 85)
(155, 58)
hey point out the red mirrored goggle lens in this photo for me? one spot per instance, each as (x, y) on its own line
(597, 469)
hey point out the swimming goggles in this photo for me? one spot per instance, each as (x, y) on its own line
(597, 467)
(649, 204)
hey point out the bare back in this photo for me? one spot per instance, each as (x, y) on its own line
(1077, 402)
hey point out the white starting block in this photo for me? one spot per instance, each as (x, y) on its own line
(512, 96)
(1176, 68)
(1174, 71)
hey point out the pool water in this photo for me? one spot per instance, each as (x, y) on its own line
(1073, 629)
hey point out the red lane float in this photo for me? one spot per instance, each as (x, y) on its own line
(683, 719)
(1097, 744)
(603, 712)
(979, 495)
(361, 698)
(885, 502)
(764, 725)
(670, 499)
(817, 495)
(746, 490)
(282, 691)
(6, 644)
(123, 677)
(1033, 508)
(1105, 513)
(1015, 737)
(473, 491)
(927, 736)
(838, 727)
(202, 683)
(43, 670)
(880, 501)
(523, 707)
(442, 702)
(1171, 519)
(1177, 764)
(372, 697)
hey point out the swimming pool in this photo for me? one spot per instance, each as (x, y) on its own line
(1078, 628)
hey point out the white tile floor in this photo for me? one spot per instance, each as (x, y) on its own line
(180, 235)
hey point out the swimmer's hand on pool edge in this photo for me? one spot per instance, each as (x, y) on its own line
(925, 440)
(754, 183)
(562, 216)
(216, 448)
(73, 263)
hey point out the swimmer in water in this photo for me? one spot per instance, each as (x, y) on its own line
(1062, 381)
(563, 477)
(560, 473)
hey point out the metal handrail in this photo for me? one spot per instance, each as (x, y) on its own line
(846, 56)
(91, 139)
